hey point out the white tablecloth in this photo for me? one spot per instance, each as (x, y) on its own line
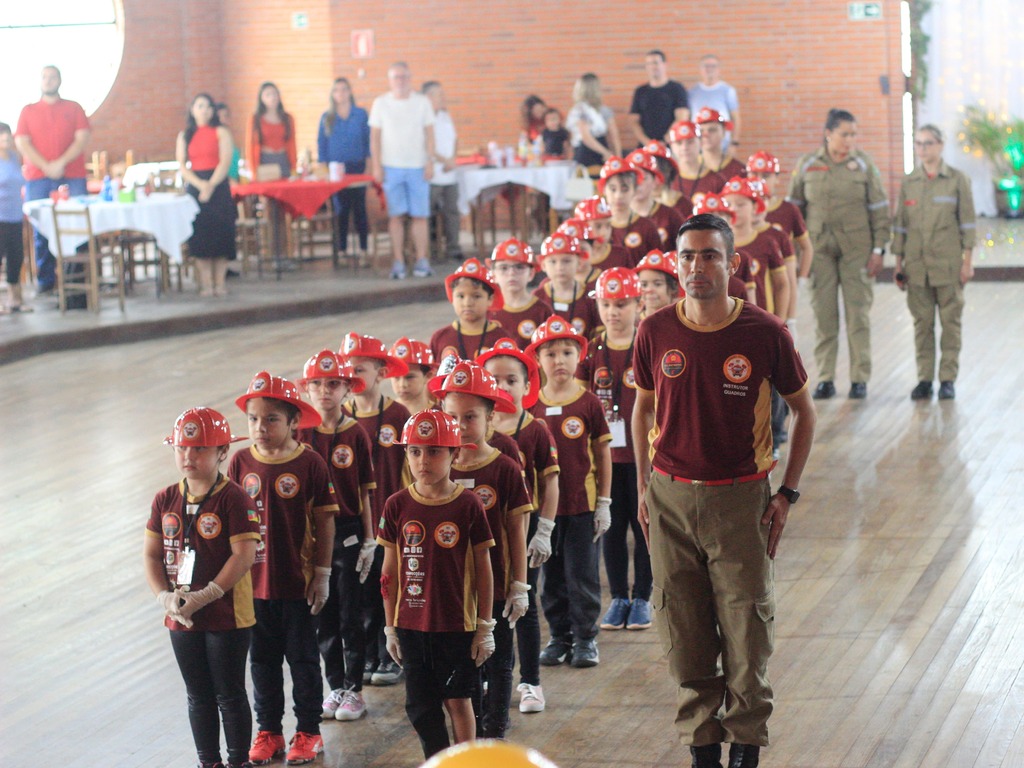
(136, 175)
(549, 179)
(165, 216)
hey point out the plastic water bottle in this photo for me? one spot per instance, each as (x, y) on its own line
(107, 191)
(523, 149)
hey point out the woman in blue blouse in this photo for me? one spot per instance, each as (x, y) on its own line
(344, 137)
(11, 251)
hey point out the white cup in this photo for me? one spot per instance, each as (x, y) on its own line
(335, 171)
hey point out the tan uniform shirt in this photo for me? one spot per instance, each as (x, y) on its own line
(934, 225)
(845, 197)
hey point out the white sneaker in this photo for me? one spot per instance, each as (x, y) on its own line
(352, 706)
(333, 702)
(531, 698)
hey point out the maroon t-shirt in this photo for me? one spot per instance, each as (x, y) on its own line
(639, 237)
(580, 310)
(346, 450)
(445, 341)
(668, 220)
(788, 218)
(784, 241)
(537, 453)
(710, 182)
(383, 426)
(575, 424)
(226, 517)
(608, 373)
(765, 258)
(435, 541)
(498, 482)
(504, 444)
(732, 168)
(617, 256)
(288, 493)
(523, 321)
(712, 389)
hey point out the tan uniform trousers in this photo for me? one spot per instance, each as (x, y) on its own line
(714, 597)
(923, 302)
(840, 263)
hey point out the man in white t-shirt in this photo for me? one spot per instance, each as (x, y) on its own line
(444, 188)
(401, 149)
(716, 94)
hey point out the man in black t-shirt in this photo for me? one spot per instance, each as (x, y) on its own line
(658, 103)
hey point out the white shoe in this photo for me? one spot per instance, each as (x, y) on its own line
(333, 702)
(352, 706)
(531, 698)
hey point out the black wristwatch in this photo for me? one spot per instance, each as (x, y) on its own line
(791, 494)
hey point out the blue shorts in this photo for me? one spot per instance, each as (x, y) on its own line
(407, 192)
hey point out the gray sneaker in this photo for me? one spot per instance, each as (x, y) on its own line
(388, 673)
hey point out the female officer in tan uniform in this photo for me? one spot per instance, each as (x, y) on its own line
(839, 191)
(933, 241)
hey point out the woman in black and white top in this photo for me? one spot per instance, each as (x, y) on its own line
(593, 134)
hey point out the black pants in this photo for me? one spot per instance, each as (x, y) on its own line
(351, 202)
(438, 666)
(212, 665)
(528, 628)
(285, 629)
(373, 612)
(572, 582)
(492, 709)
(340, 632)
(12, 250)
(616, 549)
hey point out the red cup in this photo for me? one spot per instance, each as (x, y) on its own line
(64, 191)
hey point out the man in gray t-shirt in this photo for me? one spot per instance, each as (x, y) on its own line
(718, 95)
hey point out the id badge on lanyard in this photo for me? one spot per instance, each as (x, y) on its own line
(186, 565)
(618, 430)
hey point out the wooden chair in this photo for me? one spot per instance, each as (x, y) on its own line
(316, 232)
(28, 241)
(252, 235)
(87, 262)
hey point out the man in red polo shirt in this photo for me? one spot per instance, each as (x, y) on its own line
(51, 136)
(704, 368)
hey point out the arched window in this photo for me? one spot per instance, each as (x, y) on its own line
(82, 38)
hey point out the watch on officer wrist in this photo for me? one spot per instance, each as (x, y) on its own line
(791, 494)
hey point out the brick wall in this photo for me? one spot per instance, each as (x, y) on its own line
(790, 60)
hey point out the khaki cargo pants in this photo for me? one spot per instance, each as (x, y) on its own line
(924, 301)
(714, 599)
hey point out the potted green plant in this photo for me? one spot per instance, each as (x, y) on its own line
(1001, 142)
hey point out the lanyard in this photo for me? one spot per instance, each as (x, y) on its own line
(193, 515)
(462, 348)
(696, 181)
(519, 426)
(575, 294)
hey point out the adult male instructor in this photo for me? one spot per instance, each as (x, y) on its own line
(402, 151)
(704, 369)
(658, 103)
(51, 136)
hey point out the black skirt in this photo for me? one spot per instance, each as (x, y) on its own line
(213, 231)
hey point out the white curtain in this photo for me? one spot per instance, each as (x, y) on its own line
(976, 56)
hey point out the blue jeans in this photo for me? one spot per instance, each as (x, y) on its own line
(37, 189)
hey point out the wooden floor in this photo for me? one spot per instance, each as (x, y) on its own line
(901, 575)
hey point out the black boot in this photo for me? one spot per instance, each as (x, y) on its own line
(743, 756)
(708, 756)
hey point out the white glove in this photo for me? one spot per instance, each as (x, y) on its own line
(193, 601)
(394, 649)
(516, 603)
(483, 640)
(171, 604)
(539, 548)
(791, 325)
(602, 517)
(319, 589)
(365, 561)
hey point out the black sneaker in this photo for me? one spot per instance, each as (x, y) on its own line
(707, 756)
(368, 669)
(744, 756)
(824, 390)
(388, 673)
(584, 654)
(923, 391)
(556, 651)
(947, 391)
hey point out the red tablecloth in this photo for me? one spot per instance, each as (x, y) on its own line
(299, 198)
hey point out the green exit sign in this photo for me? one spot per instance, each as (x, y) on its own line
(864, 11)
